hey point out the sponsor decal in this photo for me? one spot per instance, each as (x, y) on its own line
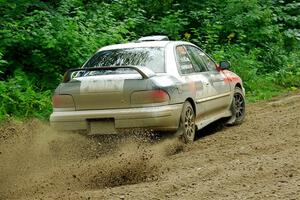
(230, 76)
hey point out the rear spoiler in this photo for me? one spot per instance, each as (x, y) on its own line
(143, 71)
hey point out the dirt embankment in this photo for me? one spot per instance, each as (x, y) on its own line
(259, 159)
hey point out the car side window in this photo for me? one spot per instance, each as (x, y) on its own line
(185, 64)
(200, 65)
(210, 64)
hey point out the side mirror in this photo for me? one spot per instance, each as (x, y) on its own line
(225, 65)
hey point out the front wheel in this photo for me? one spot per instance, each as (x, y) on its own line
(187, 123)
(238, 107)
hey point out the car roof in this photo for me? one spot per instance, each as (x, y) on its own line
(136, 45)
(158, 44)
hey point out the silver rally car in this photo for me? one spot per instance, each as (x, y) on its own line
(154, 84)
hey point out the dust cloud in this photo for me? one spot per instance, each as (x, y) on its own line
(36, 160)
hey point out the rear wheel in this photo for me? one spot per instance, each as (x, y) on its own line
(187, 123)
(238, 107)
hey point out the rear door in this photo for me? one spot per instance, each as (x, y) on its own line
(217, 94)
(196, 81)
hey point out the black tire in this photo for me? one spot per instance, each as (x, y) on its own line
(238, 107)
(187, 125)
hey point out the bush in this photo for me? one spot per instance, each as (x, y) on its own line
(41, 39)
(19, 98)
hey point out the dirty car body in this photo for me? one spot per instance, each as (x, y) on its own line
(147, 84)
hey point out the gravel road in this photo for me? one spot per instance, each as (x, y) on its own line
(259, 159)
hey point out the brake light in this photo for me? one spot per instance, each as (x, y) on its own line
(62, 101)
(151, 96)
(159, 95)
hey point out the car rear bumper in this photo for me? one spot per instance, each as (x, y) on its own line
(110, 120)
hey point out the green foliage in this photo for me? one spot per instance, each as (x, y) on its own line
(39, 40)
(289, 75)
(19, 98)
(172, 25)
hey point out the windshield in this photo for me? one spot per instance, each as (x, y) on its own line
(150, 57)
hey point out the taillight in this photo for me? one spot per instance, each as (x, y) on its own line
(62, 101)
(151, 96)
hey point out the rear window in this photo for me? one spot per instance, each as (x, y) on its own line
(150, 57)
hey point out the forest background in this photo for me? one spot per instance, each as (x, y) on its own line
(40, 40)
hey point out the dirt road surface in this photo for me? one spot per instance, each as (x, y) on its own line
(259, 159)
